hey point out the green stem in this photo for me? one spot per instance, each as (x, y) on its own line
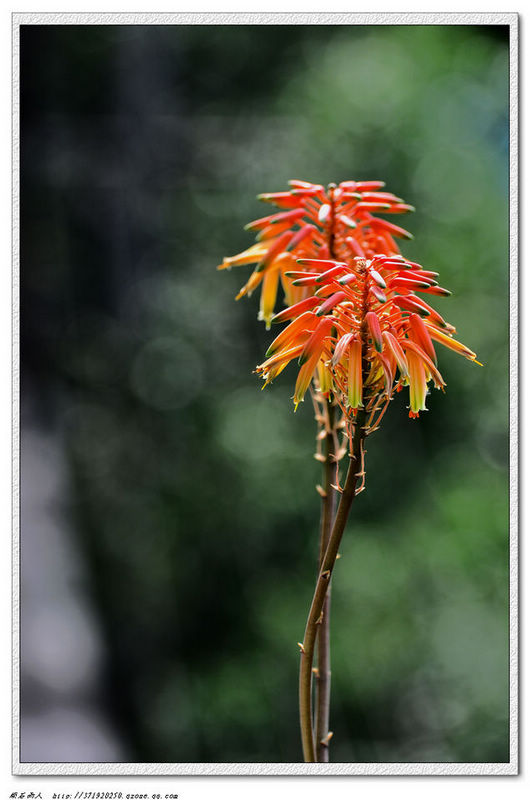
(324, 577)
(323, 672)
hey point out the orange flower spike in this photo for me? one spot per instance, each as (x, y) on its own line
(374, 274)
(301, 235)
(330, 303)
(304, 378)
(310, 280)
(296, 274)
(395, 348)
(341, 348)
(296, 309)
(252, 283)
(298, 184)
(273, 231)
(386, 197)
(437, 378)
(315, 342)
(389, 370)
(324, 213)
(347, 256)
(325, 380)
(309, 358)
(268, 295)
(250, 256)
(374, 329)
(417, 383)
(350, 277)
(280, 199)
(419, 275)
(274, 250)
(411, 304)
(319, 263)
(355, 374)
(451, 343)
(271, 368)
(365, 186)
(402, 284)
(327, 289)
(378, 294)
(387, 244)
(331, 273)
(273, 219)
(314, 191)
(439, 291)
(425, 310)
(389, 227)
(305, 321)
(399, 208)
(372, 206)
(354, 246)
(421, 336)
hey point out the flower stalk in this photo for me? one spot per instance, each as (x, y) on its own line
(327, 565)
(323, 669)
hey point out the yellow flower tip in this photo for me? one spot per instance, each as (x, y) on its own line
(266, 318)
(477, 362)
(244, 291)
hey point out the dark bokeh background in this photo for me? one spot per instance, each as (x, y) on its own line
(169, 518)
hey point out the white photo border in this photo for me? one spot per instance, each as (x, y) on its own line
(287, 769)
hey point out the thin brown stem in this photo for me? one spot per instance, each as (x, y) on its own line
(323, 671)
(324, 577)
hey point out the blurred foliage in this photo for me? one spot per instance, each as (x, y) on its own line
(191, 491)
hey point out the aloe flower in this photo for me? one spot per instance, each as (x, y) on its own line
(363, 334)
(309, 226)
(361, 329)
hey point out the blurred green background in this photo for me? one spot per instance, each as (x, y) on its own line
(188, 493)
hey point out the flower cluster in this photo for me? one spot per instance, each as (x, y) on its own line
(315, 223)
(357, 326)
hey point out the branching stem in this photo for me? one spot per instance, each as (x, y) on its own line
(323, 674)
(324, 577)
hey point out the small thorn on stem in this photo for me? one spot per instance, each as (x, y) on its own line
(325, 741)
(325, 575)
(338, 556)
(319, 457)
(321, 491)
(336, 487)
(316, 672)
(301, 646)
